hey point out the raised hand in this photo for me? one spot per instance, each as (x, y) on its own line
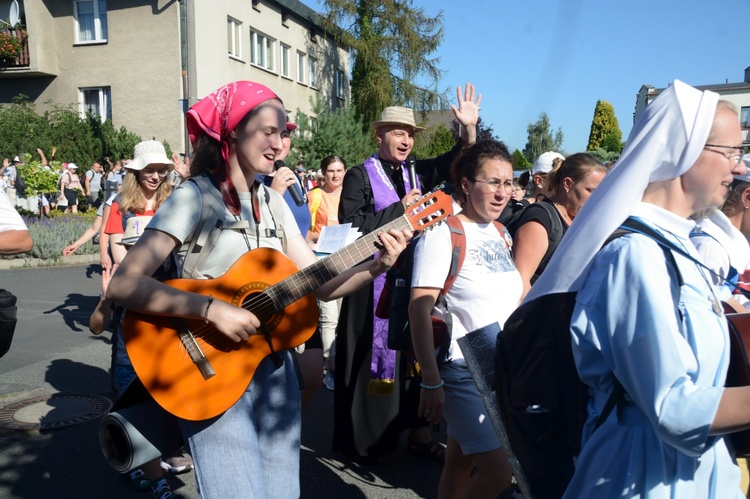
(467, 112)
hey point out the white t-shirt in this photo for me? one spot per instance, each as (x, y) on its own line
(180, 216)
(9, 217)
(487, 288)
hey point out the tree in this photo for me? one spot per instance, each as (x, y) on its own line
(332, 132)
(438, 142)
(605, 130)
(391, 42)
(603, 156)
(62, 135)
(483, 132)
(520, 161)
(540, 139)
(612, 143)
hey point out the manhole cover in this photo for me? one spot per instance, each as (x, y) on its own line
(58, 410)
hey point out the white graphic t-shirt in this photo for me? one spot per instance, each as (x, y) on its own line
(488, 286)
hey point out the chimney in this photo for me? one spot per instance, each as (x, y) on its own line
(747, 74)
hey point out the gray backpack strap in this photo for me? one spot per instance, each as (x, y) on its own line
(276, 205)
(211, 223)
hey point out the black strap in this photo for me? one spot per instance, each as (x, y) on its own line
(618, 397)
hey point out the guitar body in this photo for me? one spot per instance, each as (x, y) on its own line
(195, 372)
(163, 365)
(738, 373)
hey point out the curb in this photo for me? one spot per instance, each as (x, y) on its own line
(63, 261)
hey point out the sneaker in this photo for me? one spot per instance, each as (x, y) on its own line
(328, 380)
(177, 463)
(138, 481)
(161, 489)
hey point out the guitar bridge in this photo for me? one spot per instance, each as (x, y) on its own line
(196, 354)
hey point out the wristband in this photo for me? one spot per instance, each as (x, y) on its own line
(210, 301)
(432, 387)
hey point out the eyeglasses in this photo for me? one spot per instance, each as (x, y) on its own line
(736, 158)
(495, 185)
(162, 173)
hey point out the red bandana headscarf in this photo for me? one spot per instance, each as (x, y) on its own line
(218, 115)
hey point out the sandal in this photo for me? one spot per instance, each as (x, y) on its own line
(430, 450)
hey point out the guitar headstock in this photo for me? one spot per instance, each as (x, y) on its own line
(429, 210)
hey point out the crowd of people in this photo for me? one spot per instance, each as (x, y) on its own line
(681, 173)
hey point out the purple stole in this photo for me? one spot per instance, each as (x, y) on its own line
(383, 363)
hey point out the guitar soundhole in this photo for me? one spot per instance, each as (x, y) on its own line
(254, 300)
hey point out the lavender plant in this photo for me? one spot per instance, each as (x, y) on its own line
(51, 235)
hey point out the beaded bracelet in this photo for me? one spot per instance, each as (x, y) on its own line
(210, 301)
(432, 387)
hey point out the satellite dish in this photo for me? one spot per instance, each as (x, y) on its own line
(14, 18)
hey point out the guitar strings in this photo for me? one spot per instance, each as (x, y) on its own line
(264, 304)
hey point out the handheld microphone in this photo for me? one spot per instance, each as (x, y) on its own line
(295, 190)
(411, 164)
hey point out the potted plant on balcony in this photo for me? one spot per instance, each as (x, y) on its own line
(11, 48)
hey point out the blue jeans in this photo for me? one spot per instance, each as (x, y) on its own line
(124, 374)
(252, 450)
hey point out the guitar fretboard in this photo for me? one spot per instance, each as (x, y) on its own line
(296, 286)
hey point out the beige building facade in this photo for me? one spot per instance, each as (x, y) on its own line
(736, 93)
(141, 63)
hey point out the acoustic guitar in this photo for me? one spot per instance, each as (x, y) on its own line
(195, 372)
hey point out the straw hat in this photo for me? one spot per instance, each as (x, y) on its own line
(397, 115)
(149, 152)
(133, 229)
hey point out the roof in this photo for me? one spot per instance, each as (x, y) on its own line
(717, 87)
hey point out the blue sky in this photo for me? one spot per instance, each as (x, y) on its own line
(560, 57)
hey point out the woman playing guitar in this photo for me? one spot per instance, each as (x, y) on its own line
(252, 449)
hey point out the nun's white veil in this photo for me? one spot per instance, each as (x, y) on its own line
(664, 143)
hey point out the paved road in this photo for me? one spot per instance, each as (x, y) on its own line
(53, 352)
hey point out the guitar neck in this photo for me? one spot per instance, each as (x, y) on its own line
(306, 280)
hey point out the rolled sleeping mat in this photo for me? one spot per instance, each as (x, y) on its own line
(134, 435)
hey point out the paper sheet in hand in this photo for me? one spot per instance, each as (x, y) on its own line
(334, 237)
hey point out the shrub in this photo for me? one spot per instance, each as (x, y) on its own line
(51, 235)
(62, 135)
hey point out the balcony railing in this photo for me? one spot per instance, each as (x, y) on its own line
(23, 60)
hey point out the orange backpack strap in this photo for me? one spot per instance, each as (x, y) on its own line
(504, 234)
(458, 242)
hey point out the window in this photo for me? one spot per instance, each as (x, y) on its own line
(745, 117)
(286, 61)
(313, 65)
(262, 50)
(234, 37)
(300, 67)
(340, 84)
(91, 20)
(96, 101)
